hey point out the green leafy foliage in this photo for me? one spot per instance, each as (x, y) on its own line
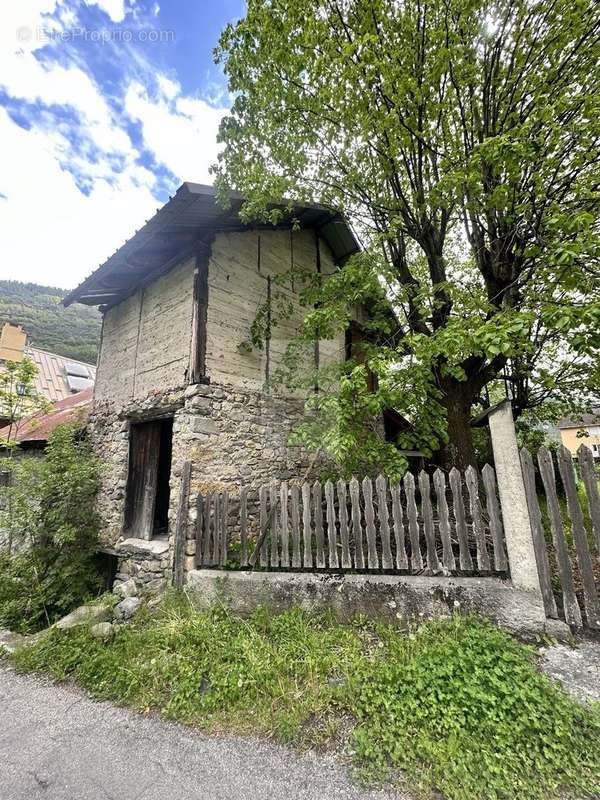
(457, 705)
(73, 332)
(460, 139)
(50, 515)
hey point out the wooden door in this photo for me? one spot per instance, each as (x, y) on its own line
(143, 476)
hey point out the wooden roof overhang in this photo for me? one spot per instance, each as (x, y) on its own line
(183, 225)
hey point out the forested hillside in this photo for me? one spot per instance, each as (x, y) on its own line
(72, 332)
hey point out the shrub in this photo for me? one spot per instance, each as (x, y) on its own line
(456, 705)
(54, 531)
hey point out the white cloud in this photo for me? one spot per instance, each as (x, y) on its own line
(52, 233)
(72, 188)
(114, 8)
(181, 132)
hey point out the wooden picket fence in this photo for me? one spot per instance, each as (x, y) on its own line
(579, 575)
(357, 526)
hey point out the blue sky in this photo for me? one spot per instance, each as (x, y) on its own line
(105, 108)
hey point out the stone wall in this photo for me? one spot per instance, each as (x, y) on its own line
(232, 437)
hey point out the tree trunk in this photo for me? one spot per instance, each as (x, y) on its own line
(459, 452)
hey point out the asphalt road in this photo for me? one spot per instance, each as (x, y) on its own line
(57, 744)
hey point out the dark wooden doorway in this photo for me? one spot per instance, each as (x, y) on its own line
(147, 500)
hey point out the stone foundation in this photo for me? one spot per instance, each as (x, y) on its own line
(147, 563)
(401, 599)
(232, 438)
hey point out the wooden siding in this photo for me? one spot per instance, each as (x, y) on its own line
(147, 339)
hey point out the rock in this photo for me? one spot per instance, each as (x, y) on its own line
(127, 608)
(155, 547)
(102, 630)
(9, 641)
(84, 615)
(126, 589)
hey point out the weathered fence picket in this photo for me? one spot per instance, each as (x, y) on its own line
(244, 526)
(294, 502)
(373, 558)
(425, 488)
(306, 526)
(584, 558)
(331, 528)
(460, 518)
(399, 535)
(570, 603)
(537, 530)
(357, 531)
(590, 481)
(493, 510)
(387, 560)
(285, 535)
(343, 514)
(351, 525)
(483, 559)
(416, 560)
(439, 482)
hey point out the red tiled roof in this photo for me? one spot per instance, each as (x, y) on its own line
(39, 427)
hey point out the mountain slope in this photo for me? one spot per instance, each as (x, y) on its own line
(73, 332)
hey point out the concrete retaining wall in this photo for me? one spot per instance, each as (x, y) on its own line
(387, 597)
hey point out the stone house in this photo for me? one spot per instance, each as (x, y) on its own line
(177, 380)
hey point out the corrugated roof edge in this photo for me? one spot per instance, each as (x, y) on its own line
(189, 188)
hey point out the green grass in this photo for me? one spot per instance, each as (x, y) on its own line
(456, 705)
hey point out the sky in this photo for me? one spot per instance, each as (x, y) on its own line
(106, 107)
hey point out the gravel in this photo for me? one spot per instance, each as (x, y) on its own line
(58, 744)
(577, 668)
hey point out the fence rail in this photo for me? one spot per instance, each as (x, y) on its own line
(439, 526)
(572, 544)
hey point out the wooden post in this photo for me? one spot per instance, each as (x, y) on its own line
(513, 500)
(181, 525)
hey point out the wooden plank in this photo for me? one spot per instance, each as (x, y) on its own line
(224, 527)
(143, 479)
(285, 536)
(387, 560)
(590, 481)
(274, 524)
(181, 525)
(343, 517)
(399, 534)
(458, 504)
(493, 511)
(537, 531)
(584, 558)
(208, 520)
(317, 495)
(416, 559)
(331, 526)
(570, 603)
(216, 551)
(264, 521)
(306, 525)
(296, 552)
(433, 563)
(439, 482)
(357, 531)
(199, 530)
(373, 558)
(244, 526)
(483, 558)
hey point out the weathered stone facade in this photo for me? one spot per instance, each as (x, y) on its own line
(232, 431)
